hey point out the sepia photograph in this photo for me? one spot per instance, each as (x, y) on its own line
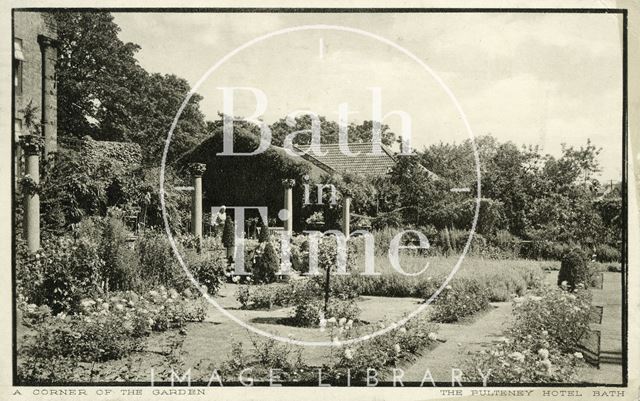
(343, 197)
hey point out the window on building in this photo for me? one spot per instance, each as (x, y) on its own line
(18, 61)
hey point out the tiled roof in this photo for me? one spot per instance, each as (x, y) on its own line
(365, 161)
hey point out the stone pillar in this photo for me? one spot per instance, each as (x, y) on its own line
(288, 204)
(49, 95)
(346, 215)
(32, 146)
(197, 169)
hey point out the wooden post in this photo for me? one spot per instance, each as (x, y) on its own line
(32, 146)
(197, 169)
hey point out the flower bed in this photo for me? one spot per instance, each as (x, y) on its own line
(102, 330)
(539, 347)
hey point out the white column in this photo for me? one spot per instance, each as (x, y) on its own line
(288, 204)
(197, 169)
(32, 146)
(346, 215)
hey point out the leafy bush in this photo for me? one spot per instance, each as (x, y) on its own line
(563, 315)
(208, 268)
(60, 273)
(121, 267)
(228, 233)
(81, 338)
(310, 312)
(463, 297)
(539, 346)
(526, 360)
(540, 249)
(266, 264)
(606, 253)
(385, 351)
(575, 269)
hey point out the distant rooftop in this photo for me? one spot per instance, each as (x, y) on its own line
(365, 161)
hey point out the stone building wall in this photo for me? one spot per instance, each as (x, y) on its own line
(37, 31)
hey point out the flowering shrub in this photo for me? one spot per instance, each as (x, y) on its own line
(59, 274)
(291, 293)
(539, 347)
(208, 268)
(100, 330)
(402, 344)
(463, 297)
(528, 359)
(261, 357)
(310, 312)
(563, 315)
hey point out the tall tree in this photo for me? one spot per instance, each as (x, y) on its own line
(103, 91)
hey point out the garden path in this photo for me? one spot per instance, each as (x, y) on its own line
(461, 340)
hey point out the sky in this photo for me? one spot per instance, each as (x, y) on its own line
(534, 79)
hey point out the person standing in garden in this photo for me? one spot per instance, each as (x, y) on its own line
(218, 220)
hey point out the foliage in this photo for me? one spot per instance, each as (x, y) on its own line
(121, 268)
(574, 269)
(228, 233)
(524, 360)
(59, 274)
(264, 231)
(93, 98)
(540, 345)
(501, 279)
(102, 329)
(606, 253)
(309, 312)
(266, 265)
(463, 297)
(208, 268)
(329, 131)
(383, 352)
(564, 315)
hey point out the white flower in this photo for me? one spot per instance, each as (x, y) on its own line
(396, 348)
(564, 283)
(348, 353)
(331, 320)
(349, 323)
(235, 279)
(578, 355)
(544, 332)
(119, 307)
(342, 321)
(448, 287)
(517, 356)
(432, 336)
(87, 303)
(543, 353)
(403, 329)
